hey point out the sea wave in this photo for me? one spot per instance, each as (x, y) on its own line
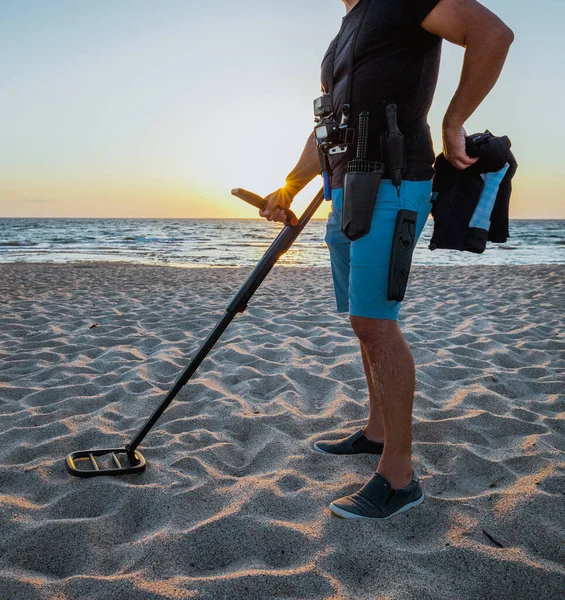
(18, 243)
(152, 240)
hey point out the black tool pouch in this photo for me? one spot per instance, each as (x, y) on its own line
(361, 185)
(403, 244)
(359, 196)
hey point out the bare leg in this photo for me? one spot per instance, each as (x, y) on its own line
(375, 429)
(393, 375)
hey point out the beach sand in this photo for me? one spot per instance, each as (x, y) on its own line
(234, 502)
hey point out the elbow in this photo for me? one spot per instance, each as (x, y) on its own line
(507, 36)
(498, 35)
(503, 35)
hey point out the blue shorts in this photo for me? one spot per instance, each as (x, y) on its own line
(360, 268)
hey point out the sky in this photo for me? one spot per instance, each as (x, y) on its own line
(138, 108)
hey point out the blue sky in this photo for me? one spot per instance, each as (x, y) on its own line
(144, 108)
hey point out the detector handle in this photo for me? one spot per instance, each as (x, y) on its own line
(260, 203)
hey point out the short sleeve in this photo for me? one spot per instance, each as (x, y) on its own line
(420, 9)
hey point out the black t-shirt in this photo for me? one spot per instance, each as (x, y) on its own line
(396, 61)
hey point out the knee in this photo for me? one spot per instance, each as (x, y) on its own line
(373, 331)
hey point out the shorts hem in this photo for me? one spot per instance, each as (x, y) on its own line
(374, 313)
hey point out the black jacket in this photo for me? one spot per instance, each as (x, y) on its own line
(457, 193)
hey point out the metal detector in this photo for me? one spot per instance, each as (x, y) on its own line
(129, 460)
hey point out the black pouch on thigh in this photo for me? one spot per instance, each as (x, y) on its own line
(360, 188)
(403, 244)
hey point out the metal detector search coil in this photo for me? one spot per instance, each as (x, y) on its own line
(133, 463)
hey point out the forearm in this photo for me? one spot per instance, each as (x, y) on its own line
(485, 55)
(305, 170)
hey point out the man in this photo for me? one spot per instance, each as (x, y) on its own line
(396, 60)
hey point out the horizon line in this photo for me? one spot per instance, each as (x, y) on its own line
(219, 218)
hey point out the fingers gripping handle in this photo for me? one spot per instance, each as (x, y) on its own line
(260, 203)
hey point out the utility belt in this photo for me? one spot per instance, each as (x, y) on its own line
(380, 141)
(363, 176)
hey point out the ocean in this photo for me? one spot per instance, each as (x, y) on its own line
(234, 243)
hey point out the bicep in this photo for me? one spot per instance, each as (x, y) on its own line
(457, 20)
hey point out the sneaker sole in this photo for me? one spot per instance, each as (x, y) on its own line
(318, 449)
(339, 512)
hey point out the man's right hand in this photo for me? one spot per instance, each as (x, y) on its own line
(454, 148)
(277, 203)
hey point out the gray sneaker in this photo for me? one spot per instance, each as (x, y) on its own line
(356, 443)
(377, 500)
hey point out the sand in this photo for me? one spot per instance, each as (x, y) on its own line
(234, 502)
